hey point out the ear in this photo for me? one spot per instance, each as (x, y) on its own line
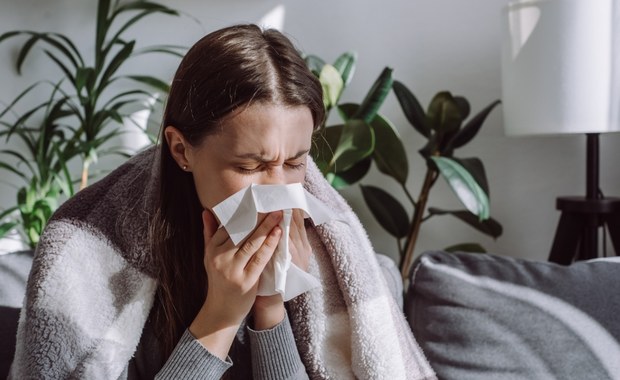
(180, 149)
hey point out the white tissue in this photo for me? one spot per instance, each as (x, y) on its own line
(238, 214)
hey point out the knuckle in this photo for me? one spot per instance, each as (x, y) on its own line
(249, 247)
(272, 241)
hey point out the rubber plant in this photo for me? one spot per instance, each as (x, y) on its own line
(346, 152)
(87, 105)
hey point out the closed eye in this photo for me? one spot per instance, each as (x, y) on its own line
(248, 170)
(296, 166)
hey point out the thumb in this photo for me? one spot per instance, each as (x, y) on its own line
(209, 225)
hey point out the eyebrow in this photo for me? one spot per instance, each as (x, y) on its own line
(262, 158)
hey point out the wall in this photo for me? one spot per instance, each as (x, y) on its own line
(432, 45)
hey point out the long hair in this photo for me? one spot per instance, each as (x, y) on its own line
(223, 72)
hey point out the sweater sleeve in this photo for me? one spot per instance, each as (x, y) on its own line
(191, 360)
(274, 353)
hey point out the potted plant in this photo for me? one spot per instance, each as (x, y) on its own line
(84, 111)
(346, 151)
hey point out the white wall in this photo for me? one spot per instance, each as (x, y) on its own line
(432, 45)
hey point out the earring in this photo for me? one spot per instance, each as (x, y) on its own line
(185, 167)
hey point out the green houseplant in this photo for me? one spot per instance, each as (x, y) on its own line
(84, 111)
(346, 151)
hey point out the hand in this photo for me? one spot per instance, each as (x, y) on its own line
(300, 248)
(269, 310)
(232, 275)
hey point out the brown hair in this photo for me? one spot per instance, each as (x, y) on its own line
(223, 72)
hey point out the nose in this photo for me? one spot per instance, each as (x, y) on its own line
(275, 175)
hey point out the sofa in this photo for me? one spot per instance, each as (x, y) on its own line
(483, 316)
(14, 270)
(476, 316)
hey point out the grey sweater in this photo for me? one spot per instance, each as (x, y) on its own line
(266, 354)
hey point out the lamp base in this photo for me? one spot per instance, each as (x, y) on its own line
(576, 237)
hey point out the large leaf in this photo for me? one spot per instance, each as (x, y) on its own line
(7, 35)
(145, 6)
(176, 50)
(332, 84)
(7, 212)
(389, 153)
(463, 105)
(356, 142)
(340, 180)
(13, 170)
(390, 214)
(324, 145)
(151, 81)
(83, 77)
(347, 110)
(469, 131)
(121, 56)
(23, 53)
(132, 92)
(61, 65)
(375, 97)
(345, 64)
(137, 5)
(488, 226)
(20, 157)
(103, 24)
(314, 63)
(412, 109)
(464, 186)
(51, 39)
(475, 167)
(444, 114)
(6, 228)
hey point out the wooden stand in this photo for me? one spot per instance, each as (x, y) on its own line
(576, 237)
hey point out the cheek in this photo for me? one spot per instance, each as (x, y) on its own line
(218, 186)
(298, 176)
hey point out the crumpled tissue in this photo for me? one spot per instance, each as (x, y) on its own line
(238, 214)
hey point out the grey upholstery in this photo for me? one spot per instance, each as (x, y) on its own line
(480, 316)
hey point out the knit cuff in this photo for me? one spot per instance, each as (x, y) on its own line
(274, 352)
(191, 360)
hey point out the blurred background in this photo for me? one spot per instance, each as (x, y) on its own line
(432, 45)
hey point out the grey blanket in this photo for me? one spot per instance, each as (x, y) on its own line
(92, 286)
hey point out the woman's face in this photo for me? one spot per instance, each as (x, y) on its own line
(263, 144)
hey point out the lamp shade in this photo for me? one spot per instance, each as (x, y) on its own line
(558, 67)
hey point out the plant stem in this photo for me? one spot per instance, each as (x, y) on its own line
(84, 182)
(429, 180)
(413, 202)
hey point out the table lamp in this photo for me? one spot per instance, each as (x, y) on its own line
(560, 75)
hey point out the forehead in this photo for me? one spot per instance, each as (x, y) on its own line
(268, 123)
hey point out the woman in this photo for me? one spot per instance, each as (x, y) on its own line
(133, 279)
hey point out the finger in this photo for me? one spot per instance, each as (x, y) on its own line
(299, 244)
(256, 240)
(209, 225)
(298, 230)
(259, 260)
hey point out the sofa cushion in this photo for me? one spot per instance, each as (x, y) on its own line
(14, 270)
(482, 316)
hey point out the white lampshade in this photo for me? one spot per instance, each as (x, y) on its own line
(559, 70)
